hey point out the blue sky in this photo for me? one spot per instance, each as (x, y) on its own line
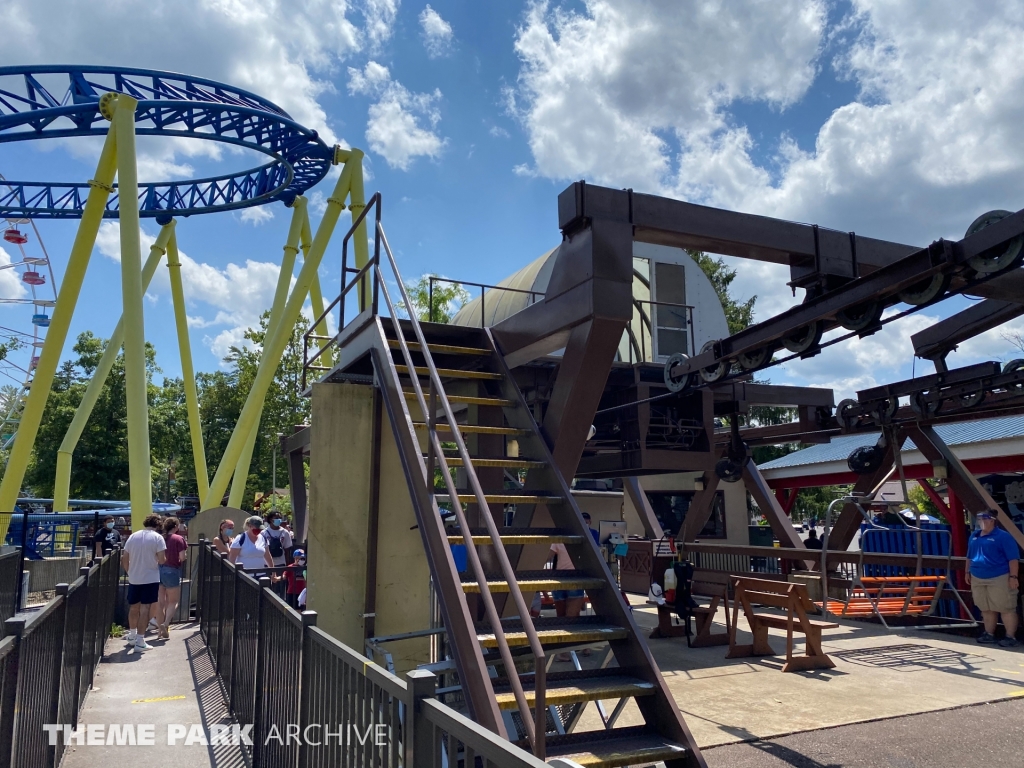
(866, 115)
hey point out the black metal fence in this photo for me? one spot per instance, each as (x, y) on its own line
(47, 663)
(10, 570)
(283, 675)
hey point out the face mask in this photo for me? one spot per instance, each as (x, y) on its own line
(110, 525)
(300, 562)
(229, 532)
(277, 522)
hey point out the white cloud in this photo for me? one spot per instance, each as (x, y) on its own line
(238, 294)
(256, 215)
(380, 19)
(394, 128)
(437, 33)
(284, 52)
(498, 132)
(603, 93)
(11, 286)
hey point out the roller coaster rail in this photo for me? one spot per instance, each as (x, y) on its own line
(170, 105)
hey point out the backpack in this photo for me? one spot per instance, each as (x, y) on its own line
(274, 545)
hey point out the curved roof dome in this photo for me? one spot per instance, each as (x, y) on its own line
(498, 304)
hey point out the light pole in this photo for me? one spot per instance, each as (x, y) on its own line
(273, 473)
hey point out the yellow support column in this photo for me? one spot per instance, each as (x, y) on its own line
(195, 425)
(360, 245)
(274, 347)
(140, 479)
(284, 279)
(67, 298)
(316, 297)
(62, 481)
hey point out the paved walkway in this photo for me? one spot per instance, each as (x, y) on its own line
(877, 675)
(173, 684)
(982, 735)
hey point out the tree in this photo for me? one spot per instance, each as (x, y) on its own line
(448, 299)
(738, 314)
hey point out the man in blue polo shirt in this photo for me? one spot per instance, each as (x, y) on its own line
(992, 565)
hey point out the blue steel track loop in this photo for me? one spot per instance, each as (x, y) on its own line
(45, 102)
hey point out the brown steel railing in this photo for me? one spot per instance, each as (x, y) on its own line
(537, 726)
(483, 290)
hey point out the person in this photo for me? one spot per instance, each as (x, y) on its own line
(106, 538)
(302, 599)
(295, 575)
(144, 553)
(250, 549)
(279, 540)
(812, 541)
(170, 576)
(226, 532)
(568, 602)
(992, 571)
(594, 533)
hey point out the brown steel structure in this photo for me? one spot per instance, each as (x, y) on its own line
(521, 421)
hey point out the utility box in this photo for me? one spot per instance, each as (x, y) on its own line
(761, 536)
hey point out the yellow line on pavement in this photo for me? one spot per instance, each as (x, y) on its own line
(161, 698)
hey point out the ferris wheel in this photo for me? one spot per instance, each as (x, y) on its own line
(26, 302)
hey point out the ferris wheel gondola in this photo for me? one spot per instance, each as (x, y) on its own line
(24, 320)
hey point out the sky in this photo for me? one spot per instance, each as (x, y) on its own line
(895, 119)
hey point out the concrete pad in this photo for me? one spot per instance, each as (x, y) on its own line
(172, 683)
(878, 675)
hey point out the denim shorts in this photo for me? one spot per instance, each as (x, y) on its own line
(170, 576)
(566, 594)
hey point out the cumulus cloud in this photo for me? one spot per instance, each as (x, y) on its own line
(256, 215)
(237, 294)
(285, 52)
(395, 128)
(436, 32)
(11, 286)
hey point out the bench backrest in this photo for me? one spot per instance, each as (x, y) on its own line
(707, 589)
(783, 589)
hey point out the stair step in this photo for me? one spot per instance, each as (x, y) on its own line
(518, 537)
(503, 498)
(537, 581)
(456, 461)
(441, 349)
(614, 748)
(589, 685)
(467, 400)
(473, 429)
(450, 373)
(555, 631)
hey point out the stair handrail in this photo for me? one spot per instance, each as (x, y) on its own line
(535, 729)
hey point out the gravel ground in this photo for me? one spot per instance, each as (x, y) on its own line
(983, 735)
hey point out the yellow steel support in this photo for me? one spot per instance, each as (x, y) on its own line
(357, 198)
(49, 357)
(316, 296)
(274, 346)
(140, 479)
(195, 425)
(62, 481)
(284, 279)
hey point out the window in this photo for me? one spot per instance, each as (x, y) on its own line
(672, 330)
(670, 507)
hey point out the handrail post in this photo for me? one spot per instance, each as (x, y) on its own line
(239, 569)
(419, 732)
(257, 711)
(75, 704)
(61, 593)
(305, 681)
(13, 627)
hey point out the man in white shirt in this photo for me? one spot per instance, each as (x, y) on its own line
(279, 539)
(144, 553)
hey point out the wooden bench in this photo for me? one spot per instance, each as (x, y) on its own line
(794, 600)
(703, 616)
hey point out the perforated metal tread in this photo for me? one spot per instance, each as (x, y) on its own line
(573, 687)
(504, 498)
(514, 537)
(536, 581)
(473, 429)
(450, 373)
(612, 749)
(497, 402)
(441, 349)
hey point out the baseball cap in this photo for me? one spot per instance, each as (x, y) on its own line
(254, 522)
(298, 553)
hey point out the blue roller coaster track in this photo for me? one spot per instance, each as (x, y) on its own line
(44, 102)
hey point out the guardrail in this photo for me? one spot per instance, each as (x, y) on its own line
(10, 573)
(47, 663)
(280, 671)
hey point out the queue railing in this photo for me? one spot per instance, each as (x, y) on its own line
(282, 674)
(47, 663)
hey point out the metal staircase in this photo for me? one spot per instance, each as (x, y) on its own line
(461, 423)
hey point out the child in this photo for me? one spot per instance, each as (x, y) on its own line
(295, 575)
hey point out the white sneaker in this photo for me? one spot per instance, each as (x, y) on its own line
(142, 645)
(152, 625)
(130, 637)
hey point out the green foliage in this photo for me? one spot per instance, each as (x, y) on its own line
(739, 314)
(448, 298)
(926, 506)
(100, 469)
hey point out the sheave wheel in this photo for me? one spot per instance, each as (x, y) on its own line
(999, 258)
